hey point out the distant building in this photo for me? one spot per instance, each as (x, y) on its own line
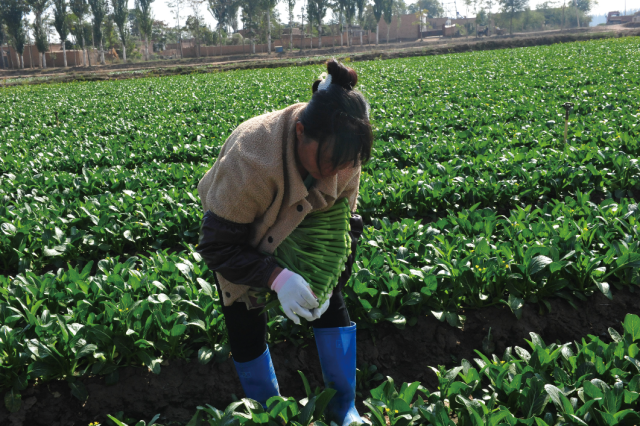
(288, 31)
(614, 18)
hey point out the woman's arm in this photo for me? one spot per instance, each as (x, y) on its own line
(224, 246)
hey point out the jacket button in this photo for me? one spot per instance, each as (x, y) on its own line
(299, 207)
(227, 294)
(270, 239)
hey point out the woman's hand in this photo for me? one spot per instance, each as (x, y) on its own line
(295, 296)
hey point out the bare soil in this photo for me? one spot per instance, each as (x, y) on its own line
(404, 355)
(426, 47)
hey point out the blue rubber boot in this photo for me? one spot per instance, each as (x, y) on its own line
(337, 350)
(258, 378)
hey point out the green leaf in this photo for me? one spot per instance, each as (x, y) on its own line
(632, 326)
(86, 350)
(205, 354)
(605, 289)
(8, 229)
(51, 252)
(538, 263)
(78, 390)
(516, 304)
(562, 403)
(178, 330)
(533, 398)
(307, 388)
(12, 400)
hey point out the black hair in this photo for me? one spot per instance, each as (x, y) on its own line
(339, 114)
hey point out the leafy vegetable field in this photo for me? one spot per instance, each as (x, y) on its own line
(472, 200)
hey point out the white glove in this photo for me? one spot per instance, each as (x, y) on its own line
(295, 296)
(318, 312)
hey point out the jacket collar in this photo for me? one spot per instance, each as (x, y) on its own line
(294, 185)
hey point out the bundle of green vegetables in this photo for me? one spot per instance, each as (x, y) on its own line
(318, 248)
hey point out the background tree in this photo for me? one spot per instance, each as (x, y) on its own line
(360, 4)
(291, 5)
(145, 22)
(349, 14)
(311, 17)
(399, 8)
(250, 12)
(176, 7)
(387, 15)
(98, 10)
(2, 37)
(61, 24)
(433, 7)
(319, 11)
(39, 32)
(474, 4)
(510, 7)
(80, 8)
(194, 24)
(268, 6)
(219, 9)
(12, 13)
(120, 17)
(378, 8)
(583, 6)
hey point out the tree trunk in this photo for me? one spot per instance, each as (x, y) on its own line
(360, 37)
(102, 53)
(348, 36)
(268, 31)
(377, 32)
(253, 47)
(146, 43)
(22, 62)
(319, 36)
(511, 24)
(341, 29)
(31, 58)
(44, 61)
(89, 56)
(388, 27)
(64, 54)
(291, 38)
(124, 53)
(84, 59)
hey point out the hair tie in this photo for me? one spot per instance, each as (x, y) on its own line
(326, 81)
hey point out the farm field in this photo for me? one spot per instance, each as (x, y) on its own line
(474, 207)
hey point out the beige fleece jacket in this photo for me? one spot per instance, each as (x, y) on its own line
(255, 180)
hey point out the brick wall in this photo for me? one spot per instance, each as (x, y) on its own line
(54, 57)
(327, 41)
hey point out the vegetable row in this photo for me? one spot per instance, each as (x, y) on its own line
(591, 382)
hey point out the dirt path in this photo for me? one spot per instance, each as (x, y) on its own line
(404, 355)
(429, 46)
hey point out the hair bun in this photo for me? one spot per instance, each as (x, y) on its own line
(341, 75)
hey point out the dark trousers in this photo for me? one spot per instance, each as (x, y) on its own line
(247, 328)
